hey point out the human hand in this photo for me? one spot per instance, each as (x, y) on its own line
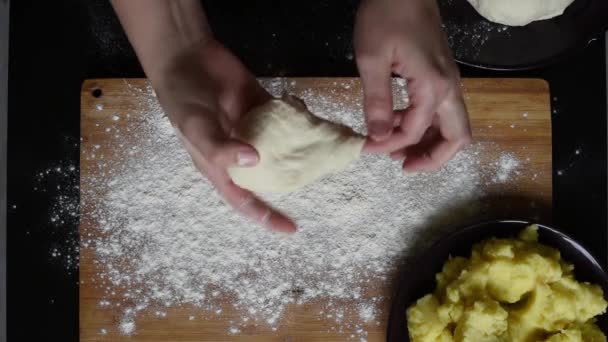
(405, 37)
(205, 90)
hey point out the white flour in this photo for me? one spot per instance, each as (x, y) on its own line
(60, 183)
(506, 166)
(169, 239)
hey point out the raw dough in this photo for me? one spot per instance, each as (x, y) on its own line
(519, 12)
(295, 147)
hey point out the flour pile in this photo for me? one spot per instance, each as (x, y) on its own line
(168, 239)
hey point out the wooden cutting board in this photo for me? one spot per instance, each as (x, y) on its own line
(512, 114)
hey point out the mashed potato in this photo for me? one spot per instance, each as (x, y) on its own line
(509, 290)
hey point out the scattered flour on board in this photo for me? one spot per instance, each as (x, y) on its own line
(127, 327)
(506, 166)
(168, 239)
(367, 312)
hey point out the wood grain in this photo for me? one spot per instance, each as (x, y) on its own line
(511, 114)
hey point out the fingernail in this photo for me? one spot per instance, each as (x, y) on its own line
(247, 158)
(378, 129)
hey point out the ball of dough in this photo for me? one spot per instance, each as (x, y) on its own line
(295, 147)
(519, 12)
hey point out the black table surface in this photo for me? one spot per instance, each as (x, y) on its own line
(55, 45)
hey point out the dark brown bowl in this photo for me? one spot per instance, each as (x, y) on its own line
(419, 279)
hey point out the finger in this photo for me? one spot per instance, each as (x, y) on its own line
(398, 155)
(416, 126)
(204, 138)
(397, 141)
(432, 160)
(417, 119)
(454, 133)
(397, 118)
(252, 207)
(427, 89)
(372, 146)
(244, 201)
(224, 153)
(228, 153)
(454, 118)
(375, 74)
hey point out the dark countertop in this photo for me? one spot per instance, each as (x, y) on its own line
(55, 45)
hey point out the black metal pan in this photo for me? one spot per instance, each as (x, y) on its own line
(481, 43)
(419, 278)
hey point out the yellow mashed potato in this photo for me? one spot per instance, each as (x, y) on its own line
(509, 290)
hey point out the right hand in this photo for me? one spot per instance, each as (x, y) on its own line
(205, 90)
(405, 37)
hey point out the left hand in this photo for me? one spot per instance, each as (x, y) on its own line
(205, 90)
(405, 37)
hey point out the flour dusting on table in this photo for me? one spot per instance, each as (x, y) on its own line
(167, 239)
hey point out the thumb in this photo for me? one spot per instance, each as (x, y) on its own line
(204, 139)
(226, 153)
(377, 96)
